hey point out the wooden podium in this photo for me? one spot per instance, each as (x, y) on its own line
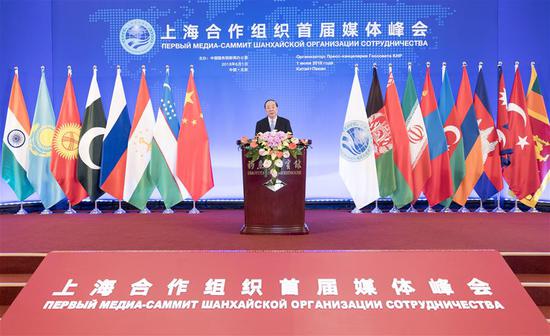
(272, 211)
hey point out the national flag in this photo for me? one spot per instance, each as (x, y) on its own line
(440, 185)
(165, 150)
(490, 181)
(473, 160)
(382, 138)
(40, 149)
(522, 174)
(115, 143)
(194, 167)
(91, 141)
(138, 185)
(15, 144)
(65, 146)
(357, 165)
(452, 122)
(418, 137)
(401, 152)
(503, 130)
(540, 127)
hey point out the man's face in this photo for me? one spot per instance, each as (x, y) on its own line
(271, 109)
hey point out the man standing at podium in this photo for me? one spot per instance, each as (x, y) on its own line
(272, 121)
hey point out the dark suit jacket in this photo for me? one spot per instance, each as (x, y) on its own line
(282, 124)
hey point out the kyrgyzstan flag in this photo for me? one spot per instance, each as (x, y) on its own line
(522, 174)
(194, 167)
(65, 146)
(472, 143)
(490, 181)
(440, 185)
(401, 152)
(541, 135)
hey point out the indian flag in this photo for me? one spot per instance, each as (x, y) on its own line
(15, 144)
(138, 184)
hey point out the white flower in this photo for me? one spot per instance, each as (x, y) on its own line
(267, 163)
(279, 163)
(273, 172)
(286, 154)
(295, 140)
(262, 152)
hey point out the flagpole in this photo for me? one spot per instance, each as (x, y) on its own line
(516, 209)
(194, 210)
(376, 209)
(70, 210)
(21, 210)
(498, 209)
(445, 209)
(120, 210)
(95, 210)
(481, 208)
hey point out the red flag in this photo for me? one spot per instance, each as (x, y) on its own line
(65, 147)
(194, 167)
(503, 130)
(522, 174)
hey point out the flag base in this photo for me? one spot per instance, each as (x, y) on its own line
(168, 211)
(145, 211)
(21, 211)
(70, 211)
(356, 211)
(376, 210)
(429, 209)
(498, 209)
(46, 212)
(119, 211)
(533, 210)
(481, 209)
(394, 210)
(411, 209)
(463, 210)
(194, 211)
(515, 209)
(95, 211)
(447, 210)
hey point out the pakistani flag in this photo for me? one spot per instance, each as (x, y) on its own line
(91, 142)
(357, 166)
(138, 185)
(165, 150)
(40, 149)
(15, 144)
(381, 135)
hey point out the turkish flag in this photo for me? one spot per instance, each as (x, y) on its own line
(194, 167)
(65, 147)
(522, 174)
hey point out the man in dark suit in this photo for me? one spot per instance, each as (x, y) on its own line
(272, 121)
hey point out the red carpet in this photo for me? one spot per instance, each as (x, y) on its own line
(329, 229)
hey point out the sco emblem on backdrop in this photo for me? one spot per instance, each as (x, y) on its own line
(16, 138)
(137, 37)
(356, 142)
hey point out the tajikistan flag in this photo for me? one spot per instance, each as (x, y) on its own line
(138, 185)
(165, 150)
(15, 143)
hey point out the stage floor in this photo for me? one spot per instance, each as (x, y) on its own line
(329, 230)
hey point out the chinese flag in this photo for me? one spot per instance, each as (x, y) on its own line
(522, 174)
(65, 147)
(194, 167)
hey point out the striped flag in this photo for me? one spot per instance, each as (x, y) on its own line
(418, 138)
(540, 126)
(115, 143)
(401, 153)
(357, 166)
(490, 181)
(521, 175)
(165, 150)
(40, 149)
(194, 167)
(65, 146)
(381, 135)
(452, 121)
(138, 185)
(91, 141)
(473, 160)
(440, 185)
(15, 144)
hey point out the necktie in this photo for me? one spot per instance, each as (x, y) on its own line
(271, 124)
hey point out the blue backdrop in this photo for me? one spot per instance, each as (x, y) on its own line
(309, 71)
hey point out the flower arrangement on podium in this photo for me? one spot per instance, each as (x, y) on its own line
(272, 147)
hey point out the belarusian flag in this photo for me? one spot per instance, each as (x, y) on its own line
(15, 144)
(165, 150)
(357, 165)
(115, 143)
(194, 167)
(418, 137)
(401, 153)
(473, 159)
(65, 146)
(440, 186)
(40, 151)
(91, 142)
(381, 135)
(541, 135)
(138, 185)
(452, 120)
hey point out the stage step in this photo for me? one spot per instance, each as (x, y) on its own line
(546, 312)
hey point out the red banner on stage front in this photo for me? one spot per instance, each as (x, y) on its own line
(274, 292)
